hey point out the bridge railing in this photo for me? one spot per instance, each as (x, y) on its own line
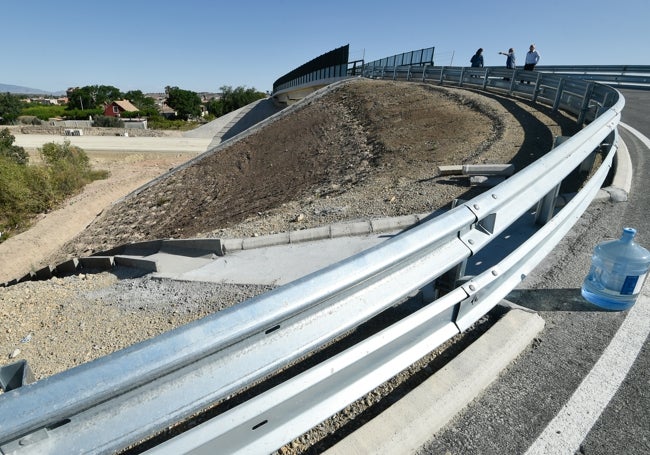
(621, 76)
(116, 401)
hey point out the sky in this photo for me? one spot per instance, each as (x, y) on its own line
(203, 45)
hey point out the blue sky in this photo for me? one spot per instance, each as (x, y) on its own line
(202, 45)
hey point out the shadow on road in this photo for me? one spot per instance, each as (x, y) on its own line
(552, 300)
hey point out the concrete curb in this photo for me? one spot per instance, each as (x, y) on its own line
(331, 231)
(414, 419)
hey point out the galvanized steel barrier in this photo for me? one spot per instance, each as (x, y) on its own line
(114, 402)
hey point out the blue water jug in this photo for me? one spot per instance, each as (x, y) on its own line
(618, 270)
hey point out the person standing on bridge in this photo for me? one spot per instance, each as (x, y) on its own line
(477, 59)
(510, 58)
(532, 58)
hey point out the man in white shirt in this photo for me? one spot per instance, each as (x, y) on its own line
(532, 57)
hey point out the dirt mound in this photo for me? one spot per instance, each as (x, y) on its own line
(336, 143)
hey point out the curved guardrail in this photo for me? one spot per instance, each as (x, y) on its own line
(116, 401)
(620, 76)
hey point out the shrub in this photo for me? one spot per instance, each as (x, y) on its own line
(104, 121)
(69, 167)
(28, 120)
(14, 191)
(82, 114)
(28, 190)
(162, 123)
(43, 112)
(8, 150)
(42, 197)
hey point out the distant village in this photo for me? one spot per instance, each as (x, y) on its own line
(116, 107)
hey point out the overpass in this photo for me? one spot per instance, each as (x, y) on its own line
(467, 229)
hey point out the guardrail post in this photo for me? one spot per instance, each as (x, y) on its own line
(408, 74)
(586, 99)
(512, 82)
(537, 84)
(558, 95)
(442, 75)
(462, 74)
(546, 207)
(424, 73)
(485, 78)
(604, 105)
(394, 72)
(449, 280)
(15, 375)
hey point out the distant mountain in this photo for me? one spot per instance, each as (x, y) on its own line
(4, 88)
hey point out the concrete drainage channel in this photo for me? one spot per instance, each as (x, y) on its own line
(148, 256)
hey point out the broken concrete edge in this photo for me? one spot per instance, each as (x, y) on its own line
(621, 185)
(434, 403)
(134, 254)
(504, 170)
(483, 181)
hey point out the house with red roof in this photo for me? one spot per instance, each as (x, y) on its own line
(116, 108)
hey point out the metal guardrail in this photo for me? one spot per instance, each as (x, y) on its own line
(619, 76)
(116, 401)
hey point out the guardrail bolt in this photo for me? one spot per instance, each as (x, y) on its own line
(472, 287)
(476, 207)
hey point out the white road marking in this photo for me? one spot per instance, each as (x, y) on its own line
(568, 429)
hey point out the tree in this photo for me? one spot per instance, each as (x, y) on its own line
(10, 106)
(145, 104)
(185, 102)
(92, 96)
(15, 153)
(233, 99)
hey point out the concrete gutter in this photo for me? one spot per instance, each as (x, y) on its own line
(332, 231)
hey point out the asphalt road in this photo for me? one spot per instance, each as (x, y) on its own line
(118, 143)
(553, 399)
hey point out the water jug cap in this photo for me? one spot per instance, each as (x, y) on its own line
(629, 231)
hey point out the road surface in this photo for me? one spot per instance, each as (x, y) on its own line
(583, 386)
